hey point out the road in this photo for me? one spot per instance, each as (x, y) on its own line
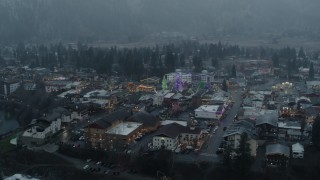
(214, 141)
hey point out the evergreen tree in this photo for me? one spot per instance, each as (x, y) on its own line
(311, 71)
(316, 131)
(233, 71)
(275, 60)
(224, 86)
(289, 68)
(243, 159)
(262, 53)
(301, 53)
(227, 161)
(316, 56)
(215, 62)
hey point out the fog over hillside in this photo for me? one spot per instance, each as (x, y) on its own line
(131, 20)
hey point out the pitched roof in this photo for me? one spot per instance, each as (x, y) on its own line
(145, 118)
(175, 129)
(107, 121)
(240, 127)
(268, 118)
(273, 149)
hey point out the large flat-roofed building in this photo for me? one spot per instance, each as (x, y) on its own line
(185, 77)
(95, 133)
(122, 134)
(209, 111)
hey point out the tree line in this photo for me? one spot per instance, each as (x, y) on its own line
(142, 62)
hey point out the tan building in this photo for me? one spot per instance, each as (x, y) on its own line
(122, 134)
(95, 133)
(233, 135)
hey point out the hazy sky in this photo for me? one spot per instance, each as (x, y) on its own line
(34, 20)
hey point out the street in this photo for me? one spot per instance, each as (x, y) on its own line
(214, 141)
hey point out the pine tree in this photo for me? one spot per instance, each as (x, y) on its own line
(301, 53)
(224, 86)
(227, 161)
(275, 60)
(243, 159)
(233, 71)
(311, 71)
(316, 131)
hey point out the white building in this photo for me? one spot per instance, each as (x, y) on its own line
(297, 150)
(313, 85)
(53, 86)
(7, 87)
(185, 77)
(40, 130)
(209, 111)
(170, 136)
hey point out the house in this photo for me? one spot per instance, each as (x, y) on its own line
(267, 127)
(170, 136)
(40, 130)
(78, 112)
(209, 111)
(63, 114)
(95, 133)
(233, 135)
(277, 155)
(297, 150)
(290, 130)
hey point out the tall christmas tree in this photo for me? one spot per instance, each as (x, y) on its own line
(164, 84)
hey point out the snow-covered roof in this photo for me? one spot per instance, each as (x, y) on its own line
(208, 108)
(169, 95)
(166, 122)
(297, 147)
(124, 128)
(20, 177)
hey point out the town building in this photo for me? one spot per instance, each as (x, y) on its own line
(122, 134)
(95, 133)
(8, 86)
(297, 150)
(174, 135)
(267, 126)
(40, 130)
(185, 77)
(234, 132)
(209, 111)
(277, 155)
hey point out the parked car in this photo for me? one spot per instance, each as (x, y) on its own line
(86, 167)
